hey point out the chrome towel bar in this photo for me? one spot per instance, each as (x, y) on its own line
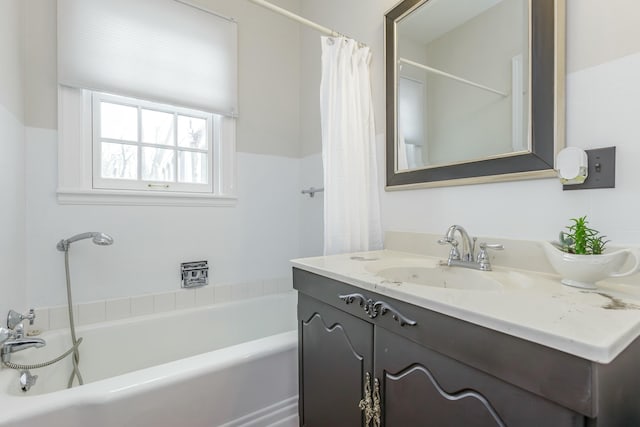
(312, 191)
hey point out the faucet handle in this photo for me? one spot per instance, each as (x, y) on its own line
(27, 380)
(454, 253)
(14, 318)
(19, 331)
(494, 246)
(5, 334)
(483, 257)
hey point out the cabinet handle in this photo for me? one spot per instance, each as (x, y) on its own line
(376, 403)
(375, 308)
(365, 404)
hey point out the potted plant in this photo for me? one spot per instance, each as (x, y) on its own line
(581, 258)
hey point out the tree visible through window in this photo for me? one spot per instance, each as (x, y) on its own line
(144, 145)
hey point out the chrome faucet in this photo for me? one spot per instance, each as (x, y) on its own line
(19, 344)
(14, 318)
(468, 245)
(467, 258)
(12, 338)
(5, 334)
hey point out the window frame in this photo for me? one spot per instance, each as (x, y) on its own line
(76, 162)
(150, 185)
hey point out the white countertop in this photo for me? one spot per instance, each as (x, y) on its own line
(595, 325)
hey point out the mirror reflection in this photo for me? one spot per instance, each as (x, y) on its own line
(462, 82)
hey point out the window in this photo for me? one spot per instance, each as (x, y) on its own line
(115, 146)
(140, 145)
(118, 150)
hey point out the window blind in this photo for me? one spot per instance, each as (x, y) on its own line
(159, 50)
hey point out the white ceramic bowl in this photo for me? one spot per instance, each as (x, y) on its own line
(582, 271)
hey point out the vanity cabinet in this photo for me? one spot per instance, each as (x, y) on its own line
(336, 353)
(371, 359)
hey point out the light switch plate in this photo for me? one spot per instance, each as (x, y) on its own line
(602, 170)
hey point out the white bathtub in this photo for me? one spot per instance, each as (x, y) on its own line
(227, 365)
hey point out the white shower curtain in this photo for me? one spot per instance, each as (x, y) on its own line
(351, 202)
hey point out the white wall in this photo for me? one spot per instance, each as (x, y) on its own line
(269, 73)
(311, 208)
(11, 63)
(12, 187)
(279, 83)
(249, 242)
(602, 110)
(12, 210)
(246, 243)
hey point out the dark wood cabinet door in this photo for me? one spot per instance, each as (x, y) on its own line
(420, 387)
(335, 355)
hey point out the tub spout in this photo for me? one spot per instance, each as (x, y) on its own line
(11, 346)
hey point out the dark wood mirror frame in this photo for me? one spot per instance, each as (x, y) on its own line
(547, 22)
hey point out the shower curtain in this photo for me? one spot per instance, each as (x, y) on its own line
(351, 201)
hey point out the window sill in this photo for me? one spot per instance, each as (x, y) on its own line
(68, 196)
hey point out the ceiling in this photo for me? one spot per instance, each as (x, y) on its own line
(436, 17)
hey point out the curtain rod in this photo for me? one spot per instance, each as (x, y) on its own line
(451, 76)
(300, 19)
(195, 6)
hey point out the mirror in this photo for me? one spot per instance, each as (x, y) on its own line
(474, 91)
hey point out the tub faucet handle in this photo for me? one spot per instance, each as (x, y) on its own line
(14, 318)
(5, 334)
(27, 380)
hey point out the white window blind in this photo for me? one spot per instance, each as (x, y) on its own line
(159, 50)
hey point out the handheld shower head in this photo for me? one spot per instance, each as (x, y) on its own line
(102, 239)
(98, 238)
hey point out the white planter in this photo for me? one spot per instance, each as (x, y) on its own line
(582, 271)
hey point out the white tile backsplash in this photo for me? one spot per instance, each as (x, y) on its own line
(185, 298)
(286, 284)
(255, 289)
(142, 305)
(205, 296)
(223, 293)
(164, 302)
(92, 312)
(240, 291)
(118, 308)
(59, 317)
(271, 286)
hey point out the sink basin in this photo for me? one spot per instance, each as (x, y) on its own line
(441, 277)
(429, 271)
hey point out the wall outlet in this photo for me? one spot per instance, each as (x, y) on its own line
(602, 170)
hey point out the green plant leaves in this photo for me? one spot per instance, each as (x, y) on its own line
(581, 239)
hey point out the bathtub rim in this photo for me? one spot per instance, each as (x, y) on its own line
(120, 386)
(103, 391)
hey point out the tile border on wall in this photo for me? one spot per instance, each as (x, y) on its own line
(48, 318)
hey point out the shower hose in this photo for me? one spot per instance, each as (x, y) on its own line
(76, 342)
